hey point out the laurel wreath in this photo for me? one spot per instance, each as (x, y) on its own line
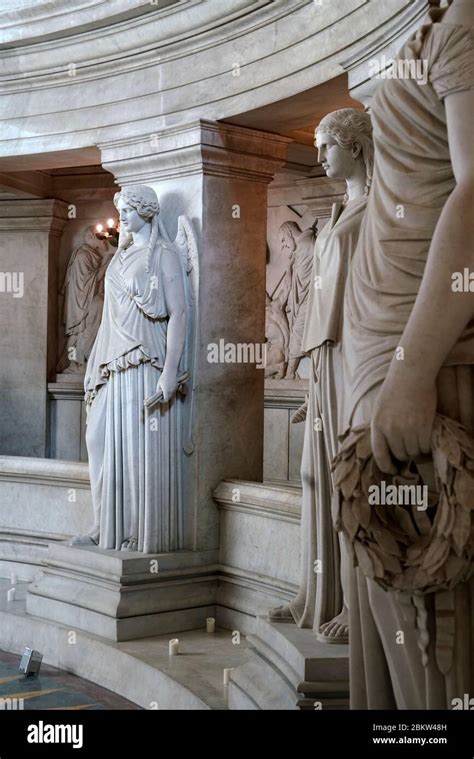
(401, 547)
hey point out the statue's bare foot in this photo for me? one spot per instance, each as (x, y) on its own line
(280, 614)
(131, 544)
(337, 630)
(91, 539)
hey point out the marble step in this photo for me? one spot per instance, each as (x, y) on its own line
(257, 685)
(289, 669)
(139, 670)
(311, 660)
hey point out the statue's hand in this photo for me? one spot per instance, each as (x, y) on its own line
(403, 419)
(168, 384)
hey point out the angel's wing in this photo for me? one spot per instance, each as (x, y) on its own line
(162, 231)
(187, 245)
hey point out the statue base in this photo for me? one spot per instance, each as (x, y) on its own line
(288, 668)
(123, 595)
(71, 378)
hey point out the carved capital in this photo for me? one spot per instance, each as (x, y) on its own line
(202, 147)
(48, 216)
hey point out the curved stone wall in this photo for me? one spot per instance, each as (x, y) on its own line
(123, 68)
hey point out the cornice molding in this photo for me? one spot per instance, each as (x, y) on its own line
(66, 391)
(202, 147)
(145, 41)
(180, 67)
(285, 393)
(50, 19)
(320, 193)
(362, 86)
(31, 215)
(260, 499)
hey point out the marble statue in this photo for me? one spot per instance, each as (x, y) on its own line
(277, 336)
(286, 310)
(137, 423)
(294, 291)
(408, 347)
(345, 150)
(83, 293)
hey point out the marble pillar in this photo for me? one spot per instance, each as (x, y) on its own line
(30, 231)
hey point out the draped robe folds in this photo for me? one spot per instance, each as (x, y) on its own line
(413, 178)
(320, 597)
(134, 456)
(83, 300)
(299, 292)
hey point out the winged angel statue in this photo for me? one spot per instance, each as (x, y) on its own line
(139, 404)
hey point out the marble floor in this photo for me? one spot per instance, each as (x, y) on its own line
(200, 663)
(53, 689)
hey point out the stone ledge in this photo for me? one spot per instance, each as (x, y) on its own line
(246, 583)
(255, 581)
(288, 394)
(36, 471)
(281, 501)
(199, 147)
(33, 215)
(129, 568)
(66, 390)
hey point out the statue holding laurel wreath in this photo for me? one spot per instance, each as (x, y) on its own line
(408, 346)
(139, 414)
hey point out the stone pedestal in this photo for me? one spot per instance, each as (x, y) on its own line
(123, 596)
(67, 418)
(283, 440)
(30, 231)
(259, 552)
(289, 669)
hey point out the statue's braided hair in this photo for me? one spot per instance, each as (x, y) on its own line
(145, 201)
(349, 125)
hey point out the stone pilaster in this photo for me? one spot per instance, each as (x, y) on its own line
(30, 231)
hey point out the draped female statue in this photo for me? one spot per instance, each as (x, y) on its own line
(345, 150)
(408, 344)
(142, 349)
(83, 292)
(295, 287)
